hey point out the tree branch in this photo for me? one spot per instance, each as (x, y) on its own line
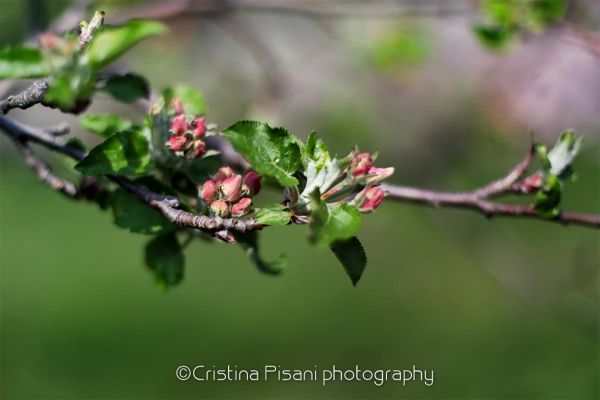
(480, 199)
(166, 205)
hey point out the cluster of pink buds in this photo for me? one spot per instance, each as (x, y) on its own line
(362, 169)
(229, 194)
(186, 134)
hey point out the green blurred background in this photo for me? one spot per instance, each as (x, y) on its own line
(498, 309)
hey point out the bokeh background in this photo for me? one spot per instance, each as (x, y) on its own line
(499, 309)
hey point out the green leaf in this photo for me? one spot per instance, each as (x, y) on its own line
(130, 213)
(272, 152)
(109, 44)
(548, 198)
(274, 214)
(22, 62)
(319, 214)
(352, 256)
(542, 153)
(343, 223)
(124, 153)
(249, 242)
(316, 151)
(105, 124)
(563, 153)
(493, 37)
(127, 88)
(164, 256)
(191, 99)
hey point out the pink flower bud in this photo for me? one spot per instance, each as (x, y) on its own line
(178, 105)
(199, 148)
(208, 190)
(531, 183)
(376, 175)
(223, 173)
(373, 198)
(179, 124)
(252, 182)
(232, 188)
(220, 208)
(176, 143)
(199, 127)
(242, 207)
(361, 164)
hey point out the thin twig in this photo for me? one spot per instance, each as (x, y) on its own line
(167, 205)
(479, 199)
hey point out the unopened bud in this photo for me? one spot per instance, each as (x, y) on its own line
(208, 190)
(361, 164)
(223, 173)
(373, 198)
(242, 207)
(199, 127)
(199, 148)
(179, 124)
(220, 208)
(252, 182)
(532, 183)
(176, 142)
(232, 188)
(376, 175)
(178, 105)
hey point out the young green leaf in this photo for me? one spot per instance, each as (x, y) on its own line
(352, 256)
(249, 242)
(343, 223)
(316, 151)
(548, 198)
(164, 256)
(127, 88)
(109, 44)
(318, 216)
(272, 152)
(22, 62)
(124, 153)
(105, 124)
(274, 214)
(191, 99)
(130, 213)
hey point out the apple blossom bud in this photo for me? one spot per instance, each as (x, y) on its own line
(376, 175)
(179, 124)
(361, 164)
(223, 173)
(219, 207)
(373, 198)
(232, 188)
(531, 183)
(252, 182)
(199, 148)
(242, 207)
(176, 142)
(208, 190)
(178, 105)
(199, 127)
